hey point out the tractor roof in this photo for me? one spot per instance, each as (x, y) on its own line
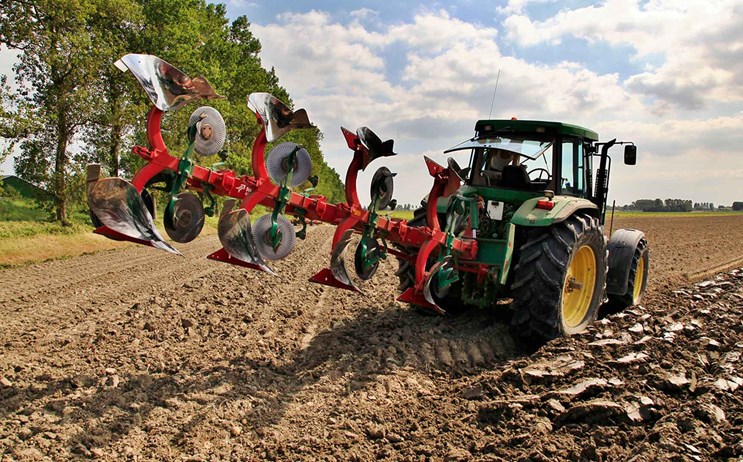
(483, 127)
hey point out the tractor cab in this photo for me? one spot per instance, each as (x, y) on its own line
(528, 155)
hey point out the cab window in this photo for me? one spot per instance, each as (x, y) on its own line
(540, 169)
(572, 170)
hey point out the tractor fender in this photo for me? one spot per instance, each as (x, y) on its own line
(528, 214)
(621, 248)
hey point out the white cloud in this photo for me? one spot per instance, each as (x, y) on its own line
(340, 73)
(8, 59)
(518, 6)
(699, 41)
(432, 32)
(364, 14)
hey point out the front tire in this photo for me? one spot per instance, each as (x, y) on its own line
(559, 279)
(637, 281)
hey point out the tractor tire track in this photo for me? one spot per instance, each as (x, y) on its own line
(33, 307)
(706, 273)
(137, 354)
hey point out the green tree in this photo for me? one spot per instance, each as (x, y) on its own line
(12, 126)
(61, 46)
(120, 106)
(72, 94)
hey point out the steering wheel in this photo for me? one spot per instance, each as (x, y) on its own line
(539, 171)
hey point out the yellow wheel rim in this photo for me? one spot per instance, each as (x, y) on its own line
(639, 279)
(577, 293)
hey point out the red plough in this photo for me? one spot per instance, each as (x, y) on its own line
(123, 209)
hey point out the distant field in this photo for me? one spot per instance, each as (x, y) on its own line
(28, 236)
(633, 213)
(404, 214)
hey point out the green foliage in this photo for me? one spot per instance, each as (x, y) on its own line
(18, 209)
(704, 206)
(28, 228)
(9, 192)
(15, 188)
(12, 125)
(21, 217)
(62, 44)
(657, 205)
(67, 49)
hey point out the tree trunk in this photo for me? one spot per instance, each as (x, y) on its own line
(60, 163)
(113, 148)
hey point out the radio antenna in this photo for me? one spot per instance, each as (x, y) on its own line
(494, 92)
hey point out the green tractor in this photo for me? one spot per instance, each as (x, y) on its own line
(523, 222)
(534, 200)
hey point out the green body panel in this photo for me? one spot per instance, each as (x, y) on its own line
(510, 196)
(529, 215)
(497, 253)
(535, 126)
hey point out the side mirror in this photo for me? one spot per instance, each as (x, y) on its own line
(630, 154)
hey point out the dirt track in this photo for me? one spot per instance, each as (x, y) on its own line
(137, 354)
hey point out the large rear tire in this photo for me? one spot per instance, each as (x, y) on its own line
(558, 280)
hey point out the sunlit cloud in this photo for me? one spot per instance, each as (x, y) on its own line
(342, 73)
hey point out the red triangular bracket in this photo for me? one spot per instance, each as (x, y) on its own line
(325, 277)
(433, 167)
(417, 298)
(223, 256)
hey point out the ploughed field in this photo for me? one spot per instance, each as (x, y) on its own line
(135, 354)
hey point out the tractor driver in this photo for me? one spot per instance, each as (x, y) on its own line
(496, 160)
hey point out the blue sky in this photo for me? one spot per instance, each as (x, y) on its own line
(665, 74)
